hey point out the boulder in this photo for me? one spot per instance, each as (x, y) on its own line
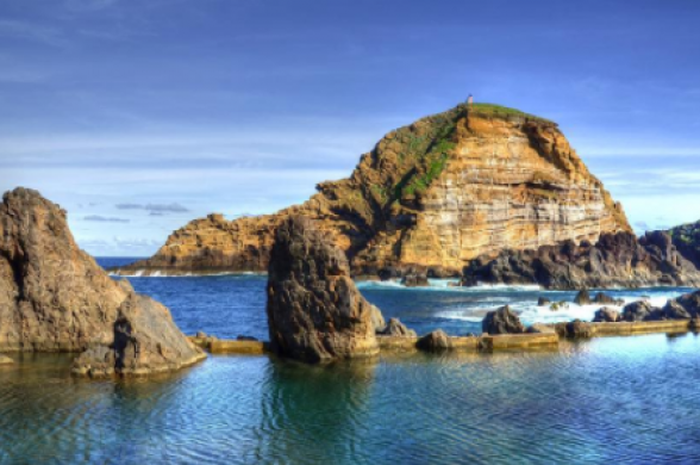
(578, 329)
(542, 301)
(502, 321)
(396, 328)
(583, 298)
(436, 341)
(691, 303)
(556, 306)
(314, 311)
(415, 280)
(606, 315)
(636, 311)
(55, 298)
(675, 311)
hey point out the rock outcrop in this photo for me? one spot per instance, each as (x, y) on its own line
(606, 315)
(55, 298)
(435, 341)
(429, 198)
(314, 311)
(502, 321)
(396, 328)
(615, 260)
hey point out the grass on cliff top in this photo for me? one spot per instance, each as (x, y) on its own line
(498, 111)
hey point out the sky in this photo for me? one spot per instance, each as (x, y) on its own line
(137, 116)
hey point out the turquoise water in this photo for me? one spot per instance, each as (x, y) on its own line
(629, 400)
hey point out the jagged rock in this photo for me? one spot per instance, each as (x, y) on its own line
(605, 299)
(415, 280)
(433, 196)
(675, 311)
(556, 306)
(436, 341)
(540, 328)
(55, 298)
(636, 311)
(502, 321)
(582, 298)
(5, 360)
(606, 315)
(542, 301)
(396, 328)
(377, 319)
(617, 259)
(314, 311)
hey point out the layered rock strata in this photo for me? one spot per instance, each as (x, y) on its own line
(429, 198)
(55, 298)
(615, 260)
(314, 311)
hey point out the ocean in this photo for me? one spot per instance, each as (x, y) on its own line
(622, 399)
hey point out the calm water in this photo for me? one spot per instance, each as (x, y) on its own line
(630, 400)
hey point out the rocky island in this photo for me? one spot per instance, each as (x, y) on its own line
(430, 198)
(55, 298)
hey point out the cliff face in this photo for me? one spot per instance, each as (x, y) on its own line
(55, 298)
(686, 238)
(433, 195)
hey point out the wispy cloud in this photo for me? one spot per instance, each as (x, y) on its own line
(105, 219)
(25, 30)
(157, 208)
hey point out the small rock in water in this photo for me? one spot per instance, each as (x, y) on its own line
(437, 341)
(583, 298)
(579, 329)
(561, 305)
(415, 280)
(542, 301)
(502, 321)
(246, 338)
(606, 315)
(396, 328)
(636, 311)
(675, 311)
(605, 299)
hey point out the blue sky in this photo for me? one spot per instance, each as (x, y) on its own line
(139, 115)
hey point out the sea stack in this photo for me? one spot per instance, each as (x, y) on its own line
(315, 313)
(428, 199)
(55, 298)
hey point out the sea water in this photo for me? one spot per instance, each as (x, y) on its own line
(623, 399)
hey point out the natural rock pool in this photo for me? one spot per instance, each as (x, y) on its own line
(624, 399)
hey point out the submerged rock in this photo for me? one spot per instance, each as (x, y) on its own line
(436, 341)
(5, 360)
(55, 298)
(607, 315)
(314, 311)
(396, 328)
(502, 321)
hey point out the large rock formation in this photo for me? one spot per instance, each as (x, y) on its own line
(686, 238)
(502, 321)
(314, 311)
(615, 260)
(430, 197)
(55, 298)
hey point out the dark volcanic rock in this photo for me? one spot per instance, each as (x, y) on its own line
(315, 313)
(502, 321)
(617, 259)
(637, 311)
(691, 303)
(396, 328)
(415, 280)
(542, 301)
(582, 298)
(437, 341)
(578, 329)
(606, 315)
(55, 298)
